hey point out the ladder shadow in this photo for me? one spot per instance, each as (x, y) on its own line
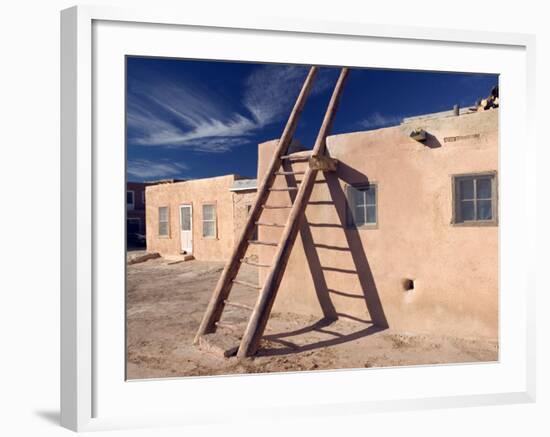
(353, 240)
(313, 260)
(354, 246)
(362, 270)
(289, 347)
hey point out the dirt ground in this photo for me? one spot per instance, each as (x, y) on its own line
(166, 301)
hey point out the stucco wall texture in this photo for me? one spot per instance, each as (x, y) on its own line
(340, 271)
(242, 202)
(196, 193)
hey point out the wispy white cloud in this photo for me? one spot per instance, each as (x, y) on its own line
(272, 89)
(186, 114)
(148, 169)
(183, 115)
(378, 120)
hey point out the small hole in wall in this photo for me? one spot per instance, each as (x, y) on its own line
(408, 284)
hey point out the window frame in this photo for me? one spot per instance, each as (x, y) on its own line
(350, 221)
(455, 197)
(215, 220)
(167, 235)
(133, 205)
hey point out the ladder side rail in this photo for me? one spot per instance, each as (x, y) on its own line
(258, 320)
(221, 292)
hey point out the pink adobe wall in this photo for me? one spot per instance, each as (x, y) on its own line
(195, 192)
(358, 273)
(242, 201)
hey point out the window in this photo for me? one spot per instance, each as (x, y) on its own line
(129, 199)
(209, 221)
(362, 201)
(164, 227)
(475, 199)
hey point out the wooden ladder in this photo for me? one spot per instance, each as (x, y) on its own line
(318, 161)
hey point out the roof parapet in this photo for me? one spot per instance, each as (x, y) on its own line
(455, 112)
(244, 185)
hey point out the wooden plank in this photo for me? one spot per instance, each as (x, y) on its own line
(246, 284)
(277, 206)
(223, 288)
(263, 243)
(295, 158)
(260, 315)
(322, 163)
(238, 305)
(221, 345)
(227, 326)
(274, 225)
(255, 264)
(288, 172)
(284, 189)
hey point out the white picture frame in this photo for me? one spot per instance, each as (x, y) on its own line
(86, 376)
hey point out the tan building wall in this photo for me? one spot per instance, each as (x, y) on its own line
(337, 270)
(242, 203)
(196, 193)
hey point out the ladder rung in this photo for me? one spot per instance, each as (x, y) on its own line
(227, 325)
(276, 206)
(275, 225)
(238, 305)
(265, 243)
(252, 263)
(246, 284)
(295, 158)
(284, 189)
(289, 172)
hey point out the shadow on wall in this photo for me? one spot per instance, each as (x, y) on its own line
(353, 248)
(431, 141)
(353, 240)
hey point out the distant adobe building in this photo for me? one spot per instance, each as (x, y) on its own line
(135, 211)
(202, 217)
(404, 233)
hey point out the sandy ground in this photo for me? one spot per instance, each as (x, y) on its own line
(166, 300)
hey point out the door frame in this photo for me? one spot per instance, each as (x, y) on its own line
(190, 206)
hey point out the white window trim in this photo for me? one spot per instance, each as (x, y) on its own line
(214, 220)
(167, 235)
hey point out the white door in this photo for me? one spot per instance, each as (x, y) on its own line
(186, 228)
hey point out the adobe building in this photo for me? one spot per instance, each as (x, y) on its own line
(135, 207)
(201, 217)
(403, 234)
(135, 212)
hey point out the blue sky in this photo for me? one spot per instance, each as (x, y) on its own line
(193, 119)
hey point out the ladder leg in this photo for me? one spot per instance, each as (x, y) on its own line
(260, 315)
(215, 306)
